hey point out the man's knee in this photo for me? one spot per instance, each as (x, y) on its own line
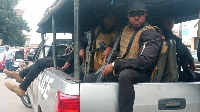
(131, 75)
(124, 76)
(43, 62)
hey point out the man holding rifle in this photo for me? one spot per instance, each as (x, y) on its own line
(100, 38)
(185, 59)
(140, 46)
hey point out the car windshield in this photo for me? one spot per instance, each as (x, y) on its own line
(2, 50)
(194, 52)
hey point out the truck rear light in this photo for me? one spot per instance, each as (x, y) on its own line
(67, 103)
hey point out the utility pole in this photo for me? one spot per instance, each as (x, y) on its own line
(76, 37)
(198, 36)
(180, 30)
(198, 32)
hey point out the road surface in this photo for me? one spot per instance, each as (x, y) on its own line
(9, 101)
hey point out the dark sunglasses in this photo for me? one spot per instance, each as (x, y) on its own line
(138, 13)
(109, 15)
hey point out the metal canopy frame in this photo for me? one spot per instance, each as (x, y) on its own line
(74, 16)
(63, 11)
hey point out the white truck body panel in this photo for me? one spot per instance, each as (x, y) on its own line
(103, 97)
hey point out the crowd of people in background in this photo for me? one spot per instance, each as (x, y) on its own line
(11, 54)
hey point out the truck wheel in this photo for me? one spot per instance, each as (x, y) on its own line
(26, 101)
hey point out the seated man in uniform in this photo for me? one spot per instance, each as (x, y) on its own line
(185, 59)
(26, 76)
(102, 36)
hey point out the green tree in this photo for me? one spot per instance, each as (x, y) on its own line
(11, 26)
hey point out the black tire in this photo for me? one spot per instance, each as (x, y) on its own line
(26, 101)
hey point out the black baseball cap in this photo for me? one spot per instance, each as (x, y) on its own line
(136, 5)
(107, 12)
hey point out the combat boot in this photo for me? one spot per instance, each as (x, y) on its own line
(15, 88)
(14, 75)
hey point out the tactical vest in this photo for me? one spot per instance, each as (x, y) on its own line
(102, 40)
(126, 37)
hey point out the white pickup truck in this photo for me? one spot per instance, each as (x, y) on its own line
(55, 91)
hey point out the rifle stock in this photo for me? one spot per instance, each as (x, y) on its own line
(112, 55)
(189, 71)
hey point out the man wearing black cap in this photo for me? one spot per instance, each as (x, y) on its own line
(185, 59)
(102, 36)
(140, 46)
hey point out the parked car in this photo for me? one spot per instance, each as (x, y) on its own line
(2, 63)
(194, 55)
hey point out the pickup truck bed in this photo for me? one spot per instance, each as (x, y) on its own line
(103, 97)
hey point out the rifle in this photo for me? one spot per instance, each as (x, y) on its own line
(88, 59)
(189, 71)
(112, 55)
(89, 52)
(98, 49)
(89, 38)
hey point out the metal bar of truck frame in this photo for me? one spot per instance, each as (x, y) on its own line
(54, 41)
(42, 37)
(76, 36)
(198, 32)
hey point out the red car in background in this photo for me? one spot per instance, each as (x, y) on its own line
(2, 63)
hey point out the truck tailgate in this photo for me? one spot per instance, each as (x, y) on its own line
(50, 82)
(150, 96)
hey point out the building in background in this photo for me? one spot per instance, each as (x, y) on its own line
(188, 32)
(33, 11)
(19, 12)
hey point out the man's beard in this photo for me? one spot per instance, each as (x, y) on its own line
(136, 28)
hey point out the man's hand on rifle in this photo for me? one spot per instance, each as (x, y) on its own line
(106, 53)
(82, 54)
(193, 66)
(107, 70)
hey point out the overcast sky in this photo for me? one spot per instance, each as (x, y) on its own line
(34, 10)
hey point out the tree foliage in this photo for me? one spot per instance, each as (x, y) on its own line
(11, 26)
